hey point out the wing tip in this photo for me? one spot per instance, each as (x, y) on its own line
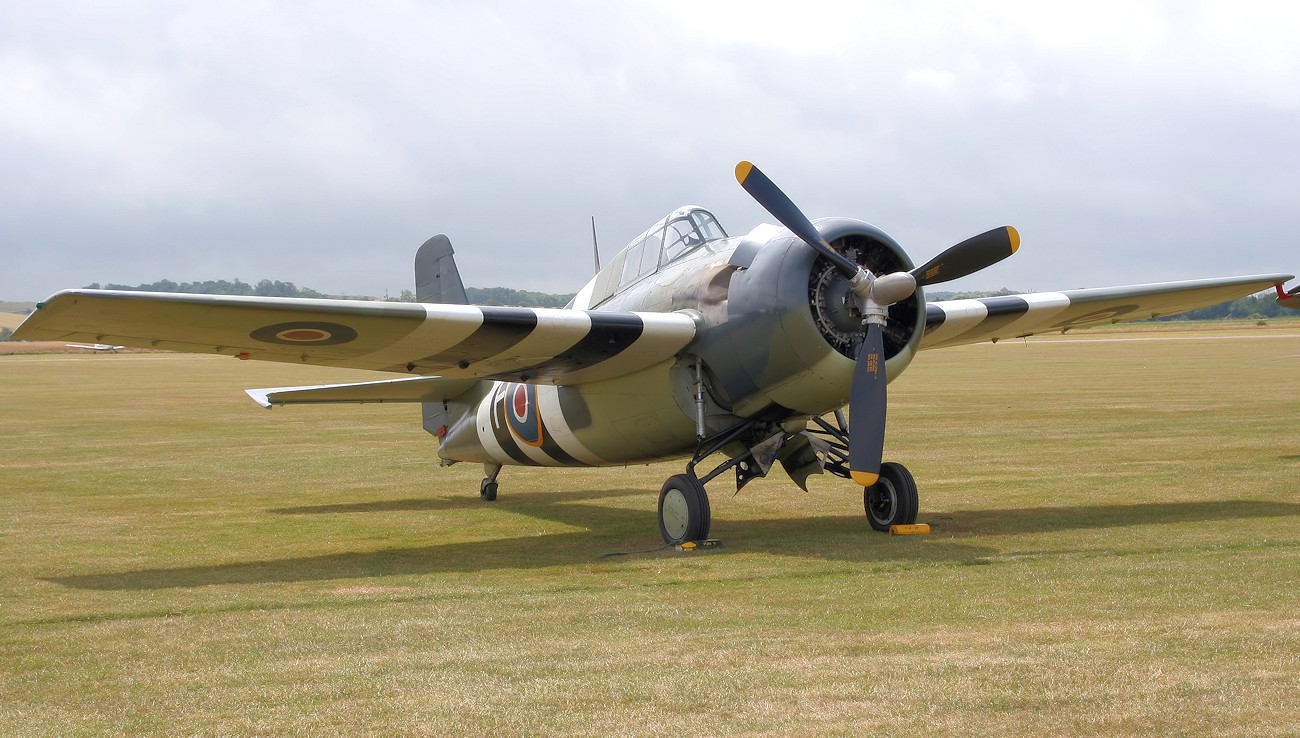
(261, 397)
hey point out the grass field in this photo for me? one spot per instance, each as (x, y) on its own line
(1116, 552)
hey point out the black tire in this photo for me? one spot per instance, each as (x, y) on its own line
(488, 490)
(893, 499)
(683, 510)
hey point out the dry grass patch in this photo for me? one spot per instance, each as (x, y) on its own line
(1115, 553)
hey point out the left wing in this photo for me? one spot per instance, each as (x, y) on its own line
(464, 341)
(958, 322)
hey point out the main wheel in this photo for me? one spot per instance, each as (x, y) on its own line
(892, 500)
(683, 510)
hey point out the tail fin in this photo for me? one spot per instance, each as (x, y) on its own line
(438, 280)
(436, 277)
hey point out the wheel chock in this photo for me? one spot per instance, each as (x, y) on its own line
(692, 545)
(919, 529)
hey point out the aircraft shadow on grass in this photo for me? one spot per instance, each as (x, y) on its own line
(835, 538)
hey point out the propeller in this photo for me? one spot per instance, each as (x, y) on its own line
(969, 256)
(868, 398)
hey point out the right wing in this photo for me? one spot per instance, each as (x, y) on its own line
(464, 341)
(959, 322)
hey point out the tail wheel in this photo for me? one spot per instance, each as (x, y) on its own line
(683, 510)
(892, 500)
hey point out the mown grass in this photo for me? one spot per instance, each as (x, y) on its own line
(1116, 553)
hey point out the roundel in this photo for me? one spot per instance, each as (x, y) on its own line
(521, 414)
(519, 403)
(304, 333)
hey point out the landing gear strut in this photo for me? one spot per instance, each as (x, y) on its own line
(892, 500)
(684, 504)
(487, 489)
(753, 445)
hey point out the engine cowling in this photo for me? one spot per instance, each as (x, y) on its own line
(792, 325)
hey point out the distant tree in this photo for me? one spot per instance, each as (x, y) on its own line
(5, 333)
(518, 298)
(265, 288)
(932, 296)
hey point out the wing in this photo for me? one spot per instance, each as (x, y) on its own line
(463, 341)
(406, 389)
(957, 322)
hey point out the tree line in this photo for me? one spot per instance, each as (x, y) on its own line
(268, 288)
(264, 288)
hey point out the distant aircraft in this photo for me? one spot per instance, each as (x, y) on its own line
(686, 344)
(97, 346)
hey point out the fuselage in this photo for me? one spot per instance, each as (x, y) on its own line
(762, 346)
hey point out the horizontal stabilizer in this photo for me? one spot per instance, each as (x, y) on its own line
(1289, 299)
(407, 389)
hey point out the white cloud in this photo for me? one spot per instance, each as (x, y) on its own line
(322, 144)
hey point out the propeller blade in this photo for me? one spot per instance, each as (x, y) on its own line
(867, 402)
(969, 256)
(788, 214)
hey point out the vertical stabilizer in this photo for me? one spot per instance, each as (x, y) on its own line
(436, 277)
(438, 280)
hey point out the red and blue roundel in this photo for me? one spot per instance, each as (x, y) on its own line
(521, 414)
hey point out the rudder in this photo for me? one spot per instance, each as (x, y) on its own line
(436, 277)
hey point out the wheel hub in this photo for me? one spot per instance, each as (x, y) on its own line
(676, 513)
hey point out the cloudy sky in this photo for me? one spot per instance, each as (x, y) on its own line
(321, 143)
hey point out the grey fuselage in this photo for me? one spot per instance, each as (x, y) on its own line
(775, 333)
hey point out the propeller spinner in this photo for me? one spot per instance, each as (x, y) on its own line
(868, 399)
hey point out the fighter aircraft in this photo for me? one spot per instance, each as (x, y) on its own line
(688, 343)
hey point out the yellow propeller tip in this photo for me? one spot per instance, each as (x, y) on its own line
(1014, 235)
(866, 479)
(742, 171)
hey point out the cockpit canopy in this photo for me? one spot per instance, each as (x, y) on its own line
(682, 231)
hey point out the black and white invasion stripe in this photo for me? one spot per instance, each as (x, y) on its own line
(537, 345)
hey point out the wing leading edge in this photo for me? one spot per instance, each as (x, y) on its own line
(539, 345)
(958, 322)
